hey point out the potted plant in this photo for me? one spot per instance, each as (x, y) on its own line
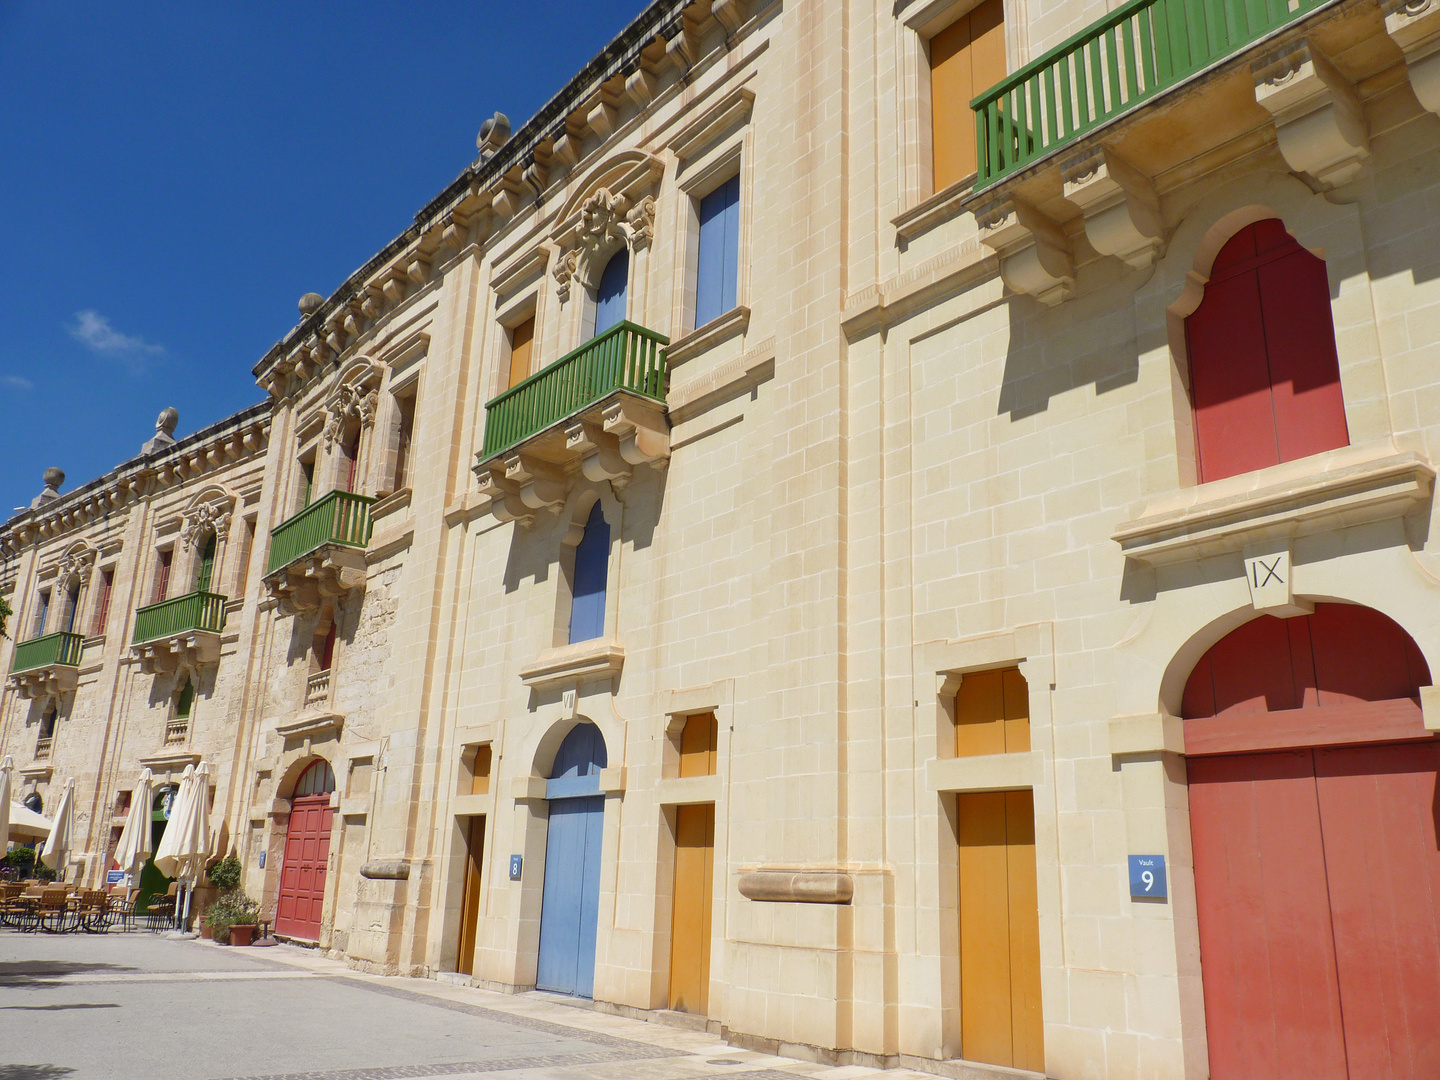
(233, 917)
(223, 875)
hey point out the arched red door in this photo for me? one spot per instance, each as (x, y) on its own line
(307, 852)
(1312, 784)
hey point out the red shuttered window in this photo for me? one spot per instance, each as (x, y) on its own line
(1264, 374)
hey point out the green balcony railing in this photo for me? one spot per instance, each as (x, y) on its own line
(1140, 49)
(340, 517)
(194, 611)
(625, 357)
(61, 648)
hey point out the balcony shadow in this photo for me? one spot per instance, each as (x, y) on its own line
(38, 974)
(1090, 340)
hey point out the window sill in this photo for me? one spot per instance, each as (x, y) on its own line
(734, 322)
(937, 209)
(585, 661)
(388, 503)
(984, 772)
(1350, 486)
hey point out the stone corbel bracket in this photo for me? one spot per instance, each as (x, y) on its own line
(1121, 207)
(164, 656)
(1414, 25)
(1035, 254)
(641, 429)
(54, 681)
(540, 484)
(332, 571)
(503, 495)
(1319, 121)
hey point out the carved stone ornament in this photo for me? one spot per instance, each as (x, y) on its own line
(202, 519)
(605, 218)
(77, 563)
(351, 402)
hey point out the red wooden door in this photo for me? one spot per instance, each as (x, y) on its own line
(302, 877)
(1317, 878)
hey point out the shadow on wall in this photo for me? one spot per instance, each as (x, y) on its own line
(1091, 339)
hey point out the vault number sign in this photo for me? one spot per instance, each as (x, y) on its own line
(1147, 877)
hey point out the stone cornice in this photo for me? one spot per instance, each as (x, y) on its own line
(663, 40)
(233, 439)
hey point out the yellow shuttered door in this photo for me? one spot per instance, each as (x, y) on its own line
(1000, 1017)
(694, 886)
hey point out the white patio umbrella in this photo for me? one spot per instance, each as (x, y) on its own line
(134, 846)
(56, 853)
(25, 822)
(186, 844)
(7, 782)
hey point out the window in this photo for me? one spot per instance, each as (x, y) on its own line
(47, 721)
(522, 341)
(716, 269)
(72, 601)
(404, 435)
(206, 570)
(42, 614)
(480, 770)
(966, 59)
(102, 602)
(592, 557)
(992, 713)
(1264, 373)
(697, 745)
(185, 700)
(350, 458)
(610, 295)
(162, 575)
(318, 779)
(325, 649)
(307, 479)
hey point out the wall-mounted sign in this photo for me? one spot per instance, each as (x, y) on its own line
(516, 862)
(114, 877)
(1147, 877)
(262, 860)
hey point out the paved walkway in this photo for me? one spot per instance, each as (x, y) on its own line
(145, 1007)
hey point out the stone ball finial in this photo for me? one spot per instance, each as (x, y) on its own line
(167, 421)
(493, 133)
(310, 303)
(54, 477)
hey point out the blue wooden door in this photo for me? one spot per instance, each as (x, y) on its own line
(570, 905)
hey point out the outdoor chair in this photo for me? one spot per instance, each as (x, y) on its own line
(53, 910)
(92, 911)
(160, 912)
(16, 904)
(122, 907)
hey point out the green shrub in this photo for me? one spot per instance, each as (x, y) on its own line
(225, 874)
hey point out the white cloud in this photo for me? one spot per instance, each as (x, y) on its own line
(94, 331)
(15, 382)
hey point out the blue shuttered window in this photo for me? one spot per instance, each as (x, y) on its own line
(592, 558)
(610, 296)
(718, 269)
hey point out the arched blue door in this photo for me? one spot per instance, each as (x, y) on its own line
(610, 295)
(570, 906)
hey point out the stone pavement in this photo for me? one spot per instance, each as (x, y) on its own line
(141, 1006)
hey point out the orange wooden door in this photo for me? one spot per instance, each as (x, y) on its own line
(470, 901)
(694, 894)
(302, 877)
(1000, 1016)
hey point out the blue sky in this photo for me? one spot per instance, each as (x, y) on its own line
(174, 177)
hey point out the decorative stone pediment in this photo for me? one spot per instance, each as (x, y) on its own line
(614, 208)
(209, 511)
(355, 396)
(77, 562)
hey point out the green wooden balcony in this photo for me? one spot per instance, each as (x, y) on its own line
(52, 650)
(624, 358)
(202, 612)
(340, 518)
(1137, 52)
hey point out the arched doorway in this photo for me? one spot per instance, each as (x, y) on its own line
(1312, 784)
(152, 881)
(570, 906)
(307, 853)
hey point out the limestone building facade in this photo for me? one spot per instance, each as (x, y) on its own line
(904, 531)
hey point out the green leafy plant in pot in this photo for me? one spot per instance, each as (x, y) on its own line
(233, 917)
